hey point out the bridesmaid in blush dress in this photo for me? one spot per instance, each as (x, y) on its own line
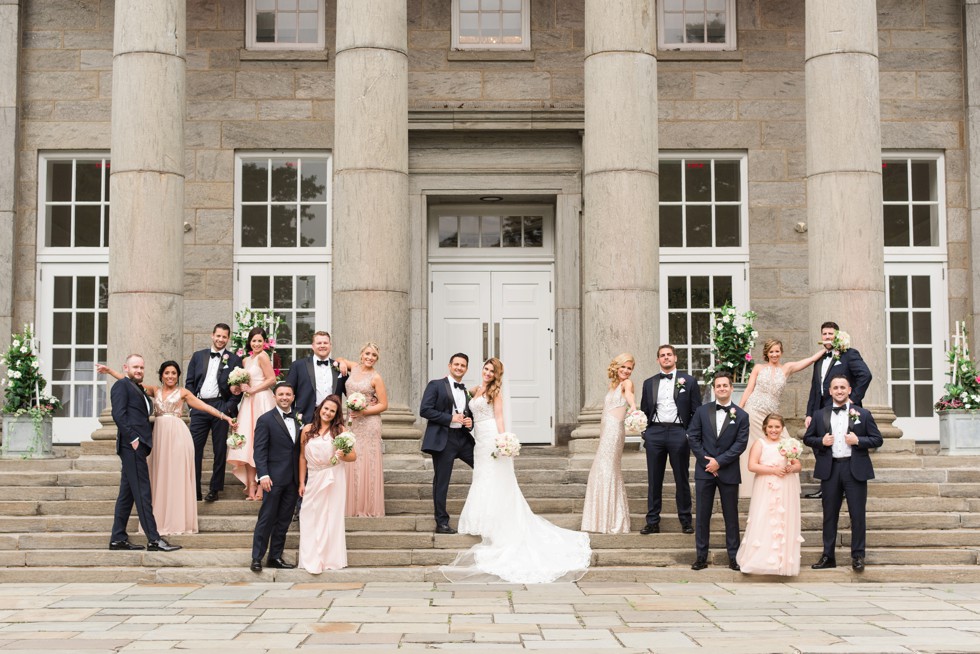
(258, 399)
(771, 545)
(171, 464)
(365, 477)
(322, 539)
(606, 509)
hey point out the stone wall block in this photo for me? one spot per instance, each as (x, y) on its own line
(921, 134)
(264, 84)
(96, 60)
(315, 85)
(375, 113)
(387, 20)
(79, 15)
(516, 86)
(158, 26)
(839, 26)
(64, 135)
(215, 165)
(446, 86)
(60, 86)
(634, 21)
(210, 85)
(276, 134)
(939, 85)
(221, 110)
(284, 110)
(748, 85)
(148, 91)
(734, 134)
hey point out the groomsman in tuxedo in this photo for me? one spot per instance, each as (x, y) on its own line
(315, 377)
(276, 453)
(131, 410)
(848, 363)
(841, 436)
(207, 378)
(445, 405)
(669, 401)
(719, 433)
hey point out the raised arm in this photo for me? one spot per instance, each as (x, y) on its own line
(628, 394)
(103, 369)
(802, 364)
(749, 387)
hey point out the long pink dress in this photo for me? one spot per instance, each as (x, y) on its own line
(171, 464)
(606, 509)
(365, 477)
(771, 544)
(322, 540)
(252, 407)
(769, 385)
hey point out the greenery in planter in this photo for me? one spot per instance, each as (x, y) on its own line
(962, 391)
(733, 338)
(24, 384)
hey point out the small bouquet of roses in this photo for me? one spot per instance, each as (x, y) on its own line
(790, 448)
(235, 440)
(357, 402)
(344, 443)
(506, 444)
(636, 421)
(238, 376)
(839, 344)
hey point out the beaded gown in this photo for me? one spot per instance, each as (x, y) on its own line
(322, 539)
(252, 407)
(518, 546)
(365, 476)
(171, 465)
(606, 509)
(771, 544)
(769, 385)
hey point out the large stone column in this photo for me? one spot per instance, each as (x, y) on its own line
(371, 228)
(146, 255)
(843, 165)
(971, 65)
(10, 14)
(620, 235)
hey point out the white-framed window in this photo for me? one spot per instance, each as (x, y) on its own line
(71, 311)
(285, 24)
(282, 243)
(491, 232)
(914, 203)
(491, 24)
(696, 24)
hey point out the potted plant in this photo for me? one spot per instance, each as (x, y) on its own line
(27, 409)
(245, 321)
(959, 407)
(732, 337)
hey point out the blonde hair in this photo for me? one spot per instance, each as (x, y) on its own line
(371, 344)
(769, 418)
(615, 365)
(493, 386)
(769, 344)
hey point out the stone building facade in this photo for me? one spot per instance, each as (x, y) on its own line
(595, 188)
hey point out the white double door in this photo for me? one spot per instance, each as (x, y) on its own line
(508, 314)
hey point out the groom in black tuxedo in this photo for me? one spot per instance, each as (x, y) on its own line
(718, 433)
(315, 377)
(445, 404)
(207, 378)
(841, 436)
(669, 401)
(131, 410)
(276, 453)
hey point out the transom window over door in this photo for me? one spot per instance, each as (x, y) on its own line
(491, 24)
(285, 24)
(696, 24)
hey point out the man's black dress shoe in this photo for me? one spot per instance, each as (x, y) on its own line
(650, 529)
(445, 529)
(733, 564)
(124, 545)
(279, 563)
(700, 564)
(211, 496)
(256, 565)
(857, 563)
(816, 495)
(824, 563)
(687, 529)
(161, 546)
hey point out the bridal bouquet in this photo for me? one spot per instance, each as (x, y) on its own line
(841, 343)
(357, 402)
(506, 444)
(345, 443)
(238, 376)
(790, 448)
(235, 440)
(636, 421)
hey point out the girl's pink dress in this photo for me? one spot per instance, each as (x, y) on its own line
(322, 540)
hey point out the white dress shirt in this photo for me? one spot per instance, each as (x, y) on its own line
(666, 409)
(825, 365)
(209, 389)
(324, 378)
(459, 401)
(290, 424)
(839, 427)
(720, 417)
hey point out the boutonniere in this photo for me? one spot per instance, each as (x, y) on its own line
(732, 414)
(224, 361)
(680, 384)
(299, 419)
(854, 416)
(469, 394)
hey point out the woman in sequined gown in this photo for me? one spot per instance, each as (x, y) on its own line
(606, 509)
(171, 464)
(771, 545)
(762, 396)
(365, 477)
(258, 400)
(517, 546)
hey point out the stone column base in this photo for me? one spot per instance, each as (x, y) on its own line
(585, 438)
(399, 422)
(885, 419)
(107, 432)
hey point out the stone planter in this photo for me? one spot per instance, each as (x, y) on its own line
(959, 432)
(21, 441)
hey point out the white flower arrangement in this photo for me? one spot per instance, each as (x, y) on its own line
(506, 444)
(635, 422)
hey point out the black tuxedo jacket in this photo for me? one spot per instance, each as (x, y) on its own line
(131, 410)
(857, 372)
(725, 448)
(275, 453)
(302, 377)
(868, 437)
(437, 407)
(197, 371)
(687, 398)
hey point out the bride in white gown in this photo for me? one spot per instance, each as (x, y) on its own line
(518, 546)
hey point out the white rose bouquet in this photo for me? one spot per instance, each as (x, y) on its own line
(357, 402)
(636, 421)
(238, 376)
(790, 448)
(506, 444)
(344, 443)
(235, 440)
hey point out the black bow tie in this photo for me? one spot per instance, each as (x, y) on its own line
(724, 407)
(828, 354)
(838, 409)
(291, 414)
(666, 375)
(460, 386)
(215, 355)
(323, 362)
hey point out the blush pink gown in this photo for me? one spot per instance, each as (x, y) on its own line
(365, 477)
(252, 407)
(171, 464)
(322, 539)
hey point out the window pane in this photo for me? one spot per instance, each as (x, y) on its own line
(670, 181)
(924, 229)
(700, 359)
(469, 231)
(305, 326)
(306, 292)
(88, 184)
(727, 234)
(677, 327)
(671, 227)
(673, 5)
(533, 231)
(512, 26)
(255, 180)
(922, 328)
(923, 363)
(490, 232)
(88, 226)
(469, 5)
(85, 296)
(894, 181)
(61, 320)
(923, 174)
(694, 5)
(61, 364)
(308, 4)
(716, 28)
(901, 401)
(59, 226)
(448, 237)
(105, 229)
(265, 27)
(490, 24)
(697, 181)
(313, 225)
(490, 5)
(694, 28)
(314, 186)
(698, 226)
(512, 5)
(900, 364)
(896, 219)
(700, 328)
(306, 28)
(923, 400)
(84, 327)
(673, 28)
(728, 186)
(255, 223)
(63, 292)
(284, 180)
(282, 292)
(59, 181)
(288, 5)
(103, 295)
(715, 5)
(898, 292)
(723, 290)
(677, 292)
(286, 23)
(469, 28)
(283, 226)
(512, 232)
(899, 328)
(260, 292)
(700, 296)
(921, 292)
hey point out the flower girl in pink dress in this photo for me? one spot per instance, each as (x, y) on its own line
(771, 545)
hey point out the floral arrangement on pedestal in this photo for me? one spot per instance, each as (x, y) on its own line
(24, 387)
(962, 391)
(733, 338)
(248, 319)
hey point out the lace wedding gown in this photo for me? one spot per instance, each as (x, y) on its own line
(518, 546)
(769, 385)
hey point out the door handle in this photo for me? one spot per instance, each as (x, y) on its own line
(496, 339)
(486, 330)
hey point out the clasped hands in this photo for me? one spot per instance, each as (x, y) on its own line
(459, 418)
(851, 439)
